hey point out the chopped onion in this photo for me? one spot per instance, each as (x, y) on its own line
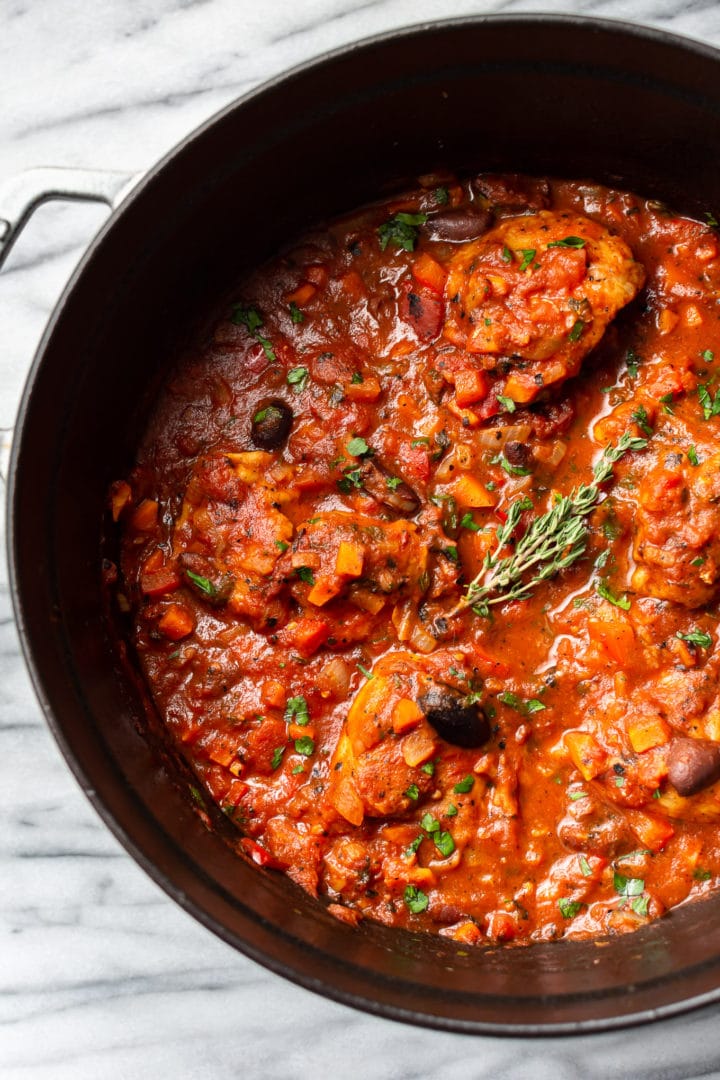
(495, 438)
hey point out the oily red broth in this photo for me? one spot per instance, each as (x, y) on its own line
(386, 412)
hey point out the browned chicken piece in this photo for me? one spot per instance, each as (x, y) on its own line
(538, 291)
(677, 531)
(394, 727)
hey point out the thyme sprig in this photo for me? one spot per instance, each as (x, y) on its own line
(552, 542)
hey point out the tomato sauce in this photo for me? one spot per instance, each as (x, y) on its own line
(386, 413)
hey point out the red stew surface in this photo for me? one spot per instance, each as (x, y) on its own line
(391, 410)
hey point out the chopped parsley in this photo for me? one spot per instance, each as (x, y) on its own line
(441, 196)
(627, 886)
(277, 756)
(511, 470)
(640, 417)
(413, 792)
(506, 402)
(632, 360)
(516, 703)
(710, 405)
(528, 254)
(451, 810)
(701, 875)
(298, 377)
(696, 637)
(708, 356)
(393, 482)
(466, 522)
(401, 231)
(357, 447)
(203, 584)
(569, 242)
(296, 314)
(305, 745)
(639, 904)
(569, 908)
(415, 899)
(606, 592)
(251, 318)
(576, 330)
(365, 672)
(692, 456)
(357, 378)
(296, 709)
(506, 254)
(585, 869)
(413, 846)
(428, 768)
(282, 545)
(466, 784)
(305, 574)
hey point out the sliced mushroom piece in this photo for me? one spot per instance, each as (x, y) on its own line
(455, 718)
(203, 577)
(387, 489)
(693, 764)
(271, 424)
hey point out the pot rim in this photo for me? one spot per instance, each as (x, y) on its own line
(125, 833)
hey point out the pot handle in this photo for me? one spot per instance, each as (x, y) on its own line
(22, 194)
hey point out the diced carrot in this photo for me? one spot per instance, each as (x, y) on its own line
(429, 272)
(353, 285)
(521, 387)
(144, 516)
(176, 622)
(308, 634)
(417, 747)
(155, 561)
(407, 714)
(467, 932)
(615, 634)
(120, 495)
(302, 295)
(586, 755)
(324, 591)
(646, 732)
(468, 417)
(651, 831)
(350, 558)
(299, 731)
(160, 582)
(470, 492)
(222, 752)
(367, 390)
(667, 320)
(470, 386)
(272, 693)
(347, 802)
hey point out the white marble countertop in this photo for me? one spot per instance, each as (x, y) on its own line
(101, 975)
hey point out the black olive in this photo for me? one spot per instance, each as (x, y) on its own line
(517, 454)
(454, 719)
(458, 226)
(693, 764)
(271, 424)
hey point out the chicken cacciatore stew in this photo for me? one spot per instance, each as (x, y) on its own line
(420, 558)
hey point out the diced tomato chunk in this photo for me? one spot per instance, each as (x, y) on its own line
(176, 622)
(471, 385)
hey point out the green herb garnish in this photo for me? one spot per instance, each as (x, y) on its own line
(692, 456)
(507, 403)
(415, 899)
(569, 908)
(305, 745)
(466, 784)
(553, 541)
(298, 377)
(277, 756)
(528, 254)
(696, 637)
(606, 592)
(296, 709)
(569, 242)
(205, 586)
(357, 447)
(305, 574)
(401, 231)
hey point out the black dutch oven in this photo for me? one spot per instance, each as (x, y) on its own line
(559, 96)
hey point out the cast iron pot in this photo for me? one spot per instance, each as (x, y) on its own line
(558, 96)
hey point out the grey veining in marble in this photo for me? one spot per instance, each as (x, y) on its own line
(102, 976)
